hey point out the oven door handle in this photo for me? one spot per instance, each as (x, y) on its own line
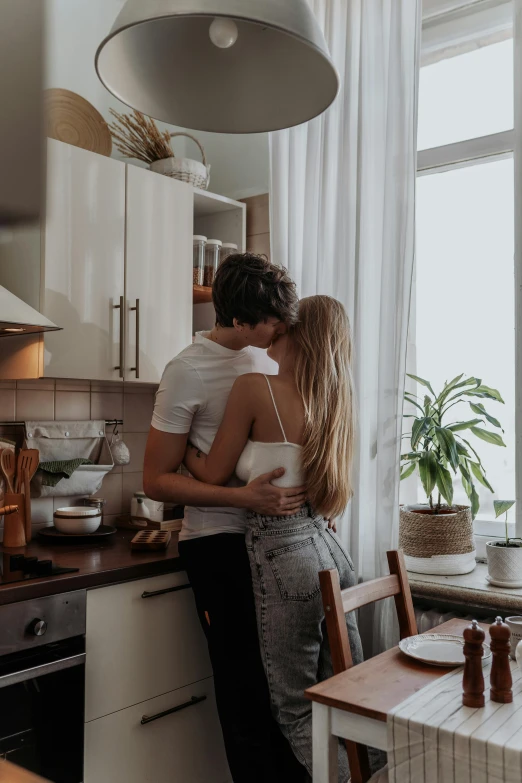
(38, 671)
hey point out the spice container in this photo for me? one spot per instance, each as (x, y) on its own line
(212, 249)
(226, 249)
(95, 502)
(198, 260)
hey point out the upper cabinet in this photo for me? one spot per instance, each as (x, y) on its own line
(158, 272)
(83, 263)
(112, 267)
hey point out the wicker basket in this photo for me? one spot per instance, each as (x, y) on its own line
(185, 169)
(437, 544)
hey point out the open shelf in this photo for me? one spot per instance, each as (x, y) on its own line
(201, 294)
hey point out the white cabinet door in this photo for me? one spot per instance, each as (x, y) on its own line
(159, 272)
(184, 746)
(83, 266)
(140, 647)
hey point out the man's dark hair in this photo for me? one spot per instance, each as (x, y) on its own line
(251, 289)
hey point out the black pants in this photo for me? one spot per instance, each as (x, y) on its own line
(219, 572)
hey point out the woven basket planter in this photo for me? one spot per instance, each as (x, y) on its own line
(437, 544)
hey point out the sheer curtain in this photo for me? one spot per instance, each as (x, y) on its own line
(342, 221)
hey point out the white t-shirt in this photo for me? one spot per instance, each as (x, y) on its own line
(192, 397)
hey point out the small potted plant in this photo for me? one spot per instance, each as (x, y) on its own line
(504, 556)
(437, 537)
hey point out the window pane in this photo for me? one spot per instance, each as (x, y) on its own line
(466, 96)
(465, 302)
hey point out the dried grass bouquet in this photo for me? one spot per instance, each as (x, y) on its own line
(138, 136)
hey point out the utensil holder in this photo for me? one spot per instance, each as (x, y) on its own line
(14, 524)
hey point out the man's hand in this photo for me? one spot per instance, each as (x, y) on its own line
(262, 497)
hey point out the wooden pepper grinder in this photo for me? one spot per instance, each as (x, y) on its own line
(500, 677)
(473, 681)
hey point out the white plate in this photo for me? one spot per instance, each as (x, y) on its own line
(437, 648)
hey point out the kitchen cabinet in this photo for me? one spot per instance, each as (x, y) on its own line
(146, 657)
(83, 263)
(179, 747)
(139, 647)
(159, 272)
(111, 265)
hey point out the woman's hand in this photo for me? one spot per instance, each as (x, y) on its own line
(264, 498)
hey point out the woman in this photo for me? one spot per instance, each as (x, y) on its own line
(302, 420)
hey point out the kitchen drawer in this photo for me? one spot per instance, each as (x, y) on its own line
(140, 647)
(183, 747)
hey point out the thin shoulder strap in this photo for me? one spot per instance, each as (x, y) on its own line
(275, 408)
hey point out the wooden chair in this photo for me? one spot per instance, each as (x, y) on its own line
(338, 603)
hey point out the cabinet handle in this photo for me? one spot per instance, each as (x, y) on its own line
(121, 308)
(137, 368)
(194, 700)
(151, 594)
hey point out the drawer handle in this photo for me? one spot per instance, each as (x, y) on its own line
(152, 593)
(194, 700)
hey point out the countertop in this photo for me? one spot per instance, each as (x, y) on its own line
(99, 564)
(466, 589)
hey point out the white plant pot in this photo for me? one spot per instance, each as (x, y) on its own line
(441, 544)
(504, 565)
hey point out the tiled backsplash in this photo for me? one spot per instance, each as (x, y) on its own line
(70, 400)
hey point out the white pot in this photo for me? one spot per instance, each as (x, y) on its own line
(504, 565)
(437, 544)
(77, 520)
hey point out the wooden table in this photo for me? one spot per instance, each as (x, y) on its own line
(354, 705)
(9, 773)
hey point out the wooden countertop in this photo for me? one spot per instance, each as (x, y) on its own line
(99, 564)
(9, 773)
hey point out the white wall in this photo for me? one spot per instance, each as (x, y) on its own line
(240, 165)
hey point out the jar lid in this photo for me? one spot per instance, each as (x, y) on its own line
(140, 495)
(199, 238)
(229, 244)
(214, 242)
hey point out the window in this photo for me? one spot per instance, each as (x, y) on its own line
(463, 314)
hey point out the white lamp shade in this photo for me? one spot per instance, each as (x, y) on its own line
(159, 59)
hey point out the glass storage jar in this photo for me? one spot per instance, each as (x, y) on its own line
(198, 259)
(227, 248)
(212, 249)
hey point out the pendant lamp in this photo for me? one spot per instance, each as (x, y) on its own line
(229, 66)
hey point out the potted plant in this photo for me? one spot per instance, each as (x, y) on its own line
(437, 537)
(504, 556)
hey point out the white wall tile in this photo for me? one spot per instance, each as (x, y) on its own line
(137, 412)
(132, 482)
(34, 405)
(111, 491)
(72, 406)
(72, 385)
(106, 405)
(7, 404)
(43, 384)
(42, 510)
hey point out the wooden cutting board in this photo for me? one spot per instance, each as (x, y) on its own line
(73, 120)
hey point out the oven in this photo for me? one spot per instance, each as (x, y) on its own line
(42, 681)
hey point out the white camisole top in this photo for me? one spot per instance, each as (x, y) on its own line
(258, 458)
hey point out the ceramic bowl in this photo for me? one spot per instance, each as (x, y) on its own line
(77, 520)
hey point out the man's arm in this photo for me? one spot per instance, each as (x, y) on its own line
(163, 456)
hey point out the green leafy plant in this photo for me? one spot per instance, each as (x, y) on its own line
(438, 448)
(502, 507)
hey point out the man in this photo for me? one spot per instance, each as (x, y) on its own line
(255, 302)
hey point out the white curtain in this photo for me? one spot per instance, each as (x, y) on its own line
(342, 221)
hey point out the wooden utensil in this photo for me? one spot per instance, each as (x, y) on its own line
(8, 467)
(14, 524)
(72, 119)
(28, 461)
(150, 540)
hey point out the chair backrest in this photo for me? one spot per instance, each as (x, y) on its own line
(337, 603)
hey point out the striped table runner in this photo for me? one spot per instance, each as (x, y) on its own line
(433, 738)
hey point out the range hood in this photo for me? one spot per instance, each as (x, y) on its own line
(17, 317)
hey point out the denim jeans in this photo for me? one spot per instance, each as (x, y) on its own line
(286, 555)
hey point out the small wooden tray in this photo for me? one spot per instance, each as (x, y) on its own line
(150, 540)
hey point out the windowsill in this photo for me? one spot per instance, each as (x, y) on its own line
(471, 590)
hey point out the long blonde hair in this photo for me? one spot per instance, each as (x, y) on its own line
(323, 353)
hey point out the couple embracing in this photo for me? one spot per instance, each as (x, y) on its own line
(268, 443)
